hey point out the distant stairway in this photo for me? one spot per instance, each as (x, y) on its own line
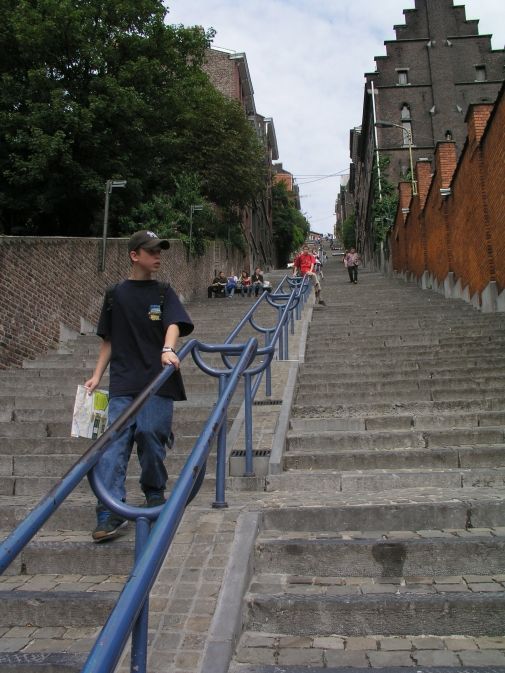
(383, 543)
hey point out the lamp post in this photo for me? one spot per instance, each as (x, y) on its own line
(192, 209)
(109, 186)
(385, 125)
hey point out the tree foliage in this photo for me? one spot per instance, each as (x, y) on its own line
(290, 227)
(93, 90)
(349, 232)
(385, 204)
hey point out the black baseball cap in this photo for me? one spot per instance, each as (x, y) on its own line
(147, 240)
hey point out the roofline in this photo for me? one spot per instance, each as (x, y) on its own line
(241, 59)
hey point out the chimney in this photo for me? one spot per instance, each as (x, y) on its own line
(405, 191)
(424, 176)
(476, 119)
(445, 162)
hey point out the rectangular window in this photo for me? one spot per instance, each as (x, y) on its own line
(403, 77)
(480, 73)
(407, 133)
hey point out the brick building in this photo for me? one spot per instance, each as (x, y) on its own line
(229, 73)
(436, 67)
(451, 235)
(344, 206)
(280, 174)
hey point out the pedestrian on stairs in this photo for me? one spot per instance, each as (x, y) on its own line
(351, 262)
(140, 322)
(304, 264)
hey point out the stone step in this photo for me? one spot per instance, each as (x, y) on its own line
(474, 614)
(405, 371)
(401, 384)
(34, 661)
(406, 344)
(16, 393)
(436, 394)
(436, 365)
(395, 407)
(45, 448)
(418, 557)
(401, 422)
(383, 480)
(52, 415)
(50, 427)
(284, 653)
(79, 508)
(56, 608)
(490, 456)
(40, 485)
(56, 465)
(75, 554)
(401, 351)
(416, 510)
(335, 440)
(367, 328)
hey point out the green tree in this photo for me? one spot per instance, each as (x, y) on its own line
(290, 227)
(349, 232)
(99, 89)
(384, 206)
(171, 216)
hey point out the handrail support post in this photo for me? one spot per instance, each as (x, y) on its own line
(220, 501)
(248, 427)
(140, 628)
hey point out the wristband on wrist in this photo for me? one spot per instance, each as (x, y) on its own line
(167, 349)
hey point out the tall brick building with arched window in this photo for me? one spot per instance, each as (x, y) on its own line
(436, 67)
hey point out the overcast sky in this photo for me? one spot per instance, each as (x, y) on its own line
(307, 59)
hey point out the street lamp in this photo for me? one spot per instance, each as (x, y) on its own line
(385, 125)
(192, 209)
(109, 186)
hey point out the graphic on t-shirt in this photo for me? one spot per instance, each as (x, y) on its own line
(154, 312)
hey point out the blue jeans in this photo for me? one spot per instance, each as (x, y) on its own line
(150, 429)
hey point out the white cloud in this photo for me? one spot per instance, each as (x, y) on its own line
(307, 59)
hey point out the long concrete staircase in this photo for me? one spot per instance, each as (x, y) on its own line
(382, 544)
(58, 593)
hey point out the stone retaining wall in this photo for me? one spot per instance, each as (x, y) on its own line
(52, 287)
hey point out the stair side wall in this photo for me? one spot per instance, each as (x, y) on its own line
(52, 287)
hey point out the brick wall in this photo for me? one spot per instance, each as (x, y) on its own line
(54, 283)
(493, 149)
(461, 231)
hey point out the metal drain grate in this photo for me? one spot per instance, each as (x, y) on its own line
(264, 403)
(257, 453)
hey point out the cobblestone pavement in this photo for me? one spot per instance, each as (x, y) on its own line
(372, 651)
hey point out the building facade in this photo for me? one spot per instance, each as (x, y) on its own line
(229, 73)
(419, 95)
(450, 237)
(344, 207)
(280, 174)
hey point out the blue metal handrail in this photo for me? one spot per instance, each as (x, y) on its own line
(28, 528)
(132, 603)
(130, 614)
(284, 303)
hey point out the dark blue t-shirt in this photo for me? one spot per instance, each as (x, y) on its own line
(135, 323)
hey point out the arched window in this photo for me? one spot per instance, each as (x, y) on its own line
(406, 124)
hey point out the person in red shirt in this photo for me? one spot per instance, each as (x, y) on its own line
(304, 265)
